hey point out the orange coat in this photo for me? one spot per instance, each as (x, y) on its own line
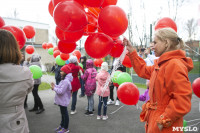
(169, 90)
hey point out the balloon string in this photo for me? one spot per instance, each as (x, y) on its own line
(194, 124)
(192, 49)
(117, 110)
(193, 120)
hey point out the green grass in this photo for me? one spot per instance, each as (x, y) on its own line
(196, 67)
(141, 85)
(49, 73)
(44, 86)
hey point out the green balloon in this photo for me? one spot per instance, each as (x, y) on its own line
(50, 51)
(81, 65)
(59, 61)
(36, 71)
(123, 77)
(184, 123)
(115, 76)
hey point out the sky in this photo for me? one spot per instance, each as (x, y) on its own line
(37, 10)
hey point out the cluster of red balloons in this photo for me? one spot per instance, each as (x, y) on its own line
(20, 35)
(75, 18)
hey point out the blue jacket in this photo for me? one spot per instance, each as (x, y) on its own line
(63, 91)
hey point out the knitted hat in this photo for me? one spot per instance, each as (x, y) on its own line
(66, 69)
(72, 59)
(104, 66)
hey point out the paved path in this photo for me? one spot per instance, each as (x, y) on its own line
(125, 120)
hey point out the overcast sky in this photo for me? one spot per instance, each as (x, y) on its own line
(37, 10)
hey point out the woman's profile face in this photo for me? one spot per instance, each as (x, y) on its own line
(159, 47)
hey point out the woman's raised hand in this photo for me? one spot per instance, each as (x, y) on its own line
(128, 45)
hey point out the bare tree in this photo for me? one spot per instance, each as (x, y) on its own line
(191, 27)
(173, 6)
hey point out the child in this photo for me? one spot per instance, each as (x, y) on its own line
(62, 97)
(103, 94)
(145, 95)
(90, 85)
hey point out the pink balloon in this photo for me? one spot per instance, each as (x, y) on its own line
(18, 33)
(70, 16)
(98, 45)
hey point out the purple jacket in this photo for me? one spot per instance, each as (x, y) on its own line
(90, 78)
(144, 96)
(63, 91)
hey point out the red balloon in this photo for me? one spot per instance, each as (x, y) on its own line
(55, 2)
(196, 87)
(116, 84)
(49, 45)
(18, 33)
(29, 49)
(66, 47)
(75, 18)
(64, 56)
(109, 2)
(113, 21)
(93, 3)
(56, 53)
(98, 62)
(51, 8)
(44, 45)
(117, 49)
(128, 93)
(166, 22)
(29, 31)
(94, 11)
(55, 48)
(92, 24)
(98, 45)
(68, 36)
(77, 53)
(2, 23)
(127, 62)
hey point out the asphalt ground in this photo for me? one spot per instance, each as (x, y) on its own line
(122, 119)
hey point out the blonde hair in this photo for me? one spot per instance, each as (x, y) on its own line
(168, 34)
(9, 48)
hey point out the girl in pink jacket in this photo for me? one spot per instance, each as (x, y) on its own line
(103, 93)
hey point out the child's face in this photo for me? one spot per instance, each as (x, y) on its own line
(62, 73)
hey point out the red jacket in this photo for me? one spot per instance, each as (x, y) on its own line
(169, 90)
(75, 83)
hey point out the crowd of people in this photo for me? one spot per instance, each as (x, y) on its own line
(165, 67)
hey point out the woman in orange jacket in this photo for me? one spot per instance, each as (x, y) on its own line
(170, 89)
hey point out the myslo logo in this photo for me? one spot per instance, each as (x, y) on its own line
(184, 129)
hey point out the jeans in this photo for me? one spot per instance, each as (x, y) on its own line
(90, 103)
(102, 100)
(111, 92)
(37, 100)
(64, 117)
(74, 99)
(82, 87)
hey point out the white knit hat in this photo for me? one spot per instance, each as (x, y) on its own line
(104, 66)
(72, 59)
